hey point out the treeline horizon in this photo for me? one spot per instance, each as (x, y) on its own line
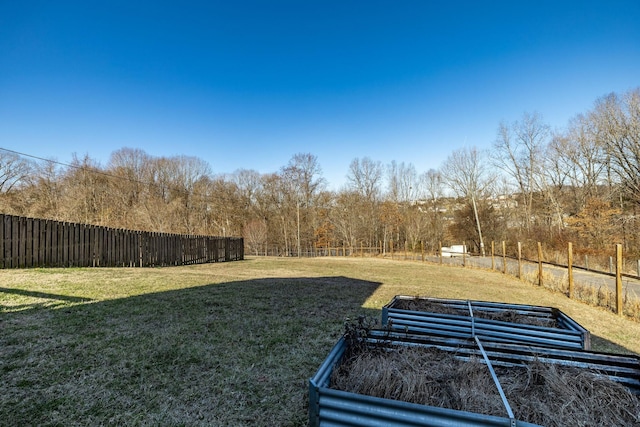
(580, 184)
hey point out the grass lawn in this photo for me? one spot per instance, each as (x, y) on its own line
(217, 344)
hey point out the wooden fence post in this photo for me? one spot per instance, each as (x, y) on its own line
(493, 260)
(422, 249)
(570, 268)
(519, 260)
(504, 257)
(464, 253)
(540, 279)
(619, 307)
(440, 244)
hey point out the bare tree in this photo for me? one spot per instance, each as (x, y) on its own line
(402, 182)
(465, 173)
(43, 193)
(274, 206)
(303, 179)
(617, 122)
(131, 169)
(432, 193)
(86, 197)
(14, 170)
(255, 234)
(518, 151)
(365, 177)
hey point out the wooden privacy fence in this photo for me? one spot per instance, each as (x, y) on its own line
(29, 242)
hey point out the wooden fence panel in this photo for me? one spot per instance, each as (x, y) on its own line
(28, 242)
(64, 247)
(2, 241)
(35, 248)
(52, 232)
(15, 236)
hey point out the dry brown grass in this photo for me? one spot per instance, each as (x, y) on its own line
(538, 393)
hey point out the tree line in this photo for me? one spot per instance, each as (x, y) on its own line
(581, 183)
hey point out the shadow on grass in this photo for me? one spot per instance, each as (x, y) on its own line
(57, 300)
(236, 353)
(45, 295)
(604, 345)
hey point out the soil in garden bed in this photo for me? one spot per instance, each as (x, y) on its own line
(419, 304)
(543, 394)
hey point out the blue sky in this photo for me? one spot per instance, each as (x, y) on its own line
(248, 84)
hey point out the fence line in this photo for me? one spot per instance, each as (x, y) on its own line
(30, 242)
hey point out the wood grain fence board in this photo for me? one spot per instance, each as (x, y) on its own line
(111, 251)
(30, 242)
(63, 245)
(2, 241)
(15, 236)
(81, 242)
(22, 234)
(35, 248)
(52, 234)
(88, 257)
(8, 246)
(61, 248)
(105, 247)
(73, 245)
(37, 236)
(56, 233)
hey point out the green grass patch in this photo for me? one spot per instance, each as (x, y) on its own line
(217, 344)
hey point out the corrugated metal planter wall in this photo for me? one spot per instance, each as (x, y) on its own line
(468, 322)
(329, 407)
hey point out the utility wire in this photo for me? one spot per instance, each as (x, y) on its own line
(99, 172)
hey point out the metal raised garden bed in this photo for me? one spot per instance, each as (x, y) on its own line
(466, 319)
(331, 407)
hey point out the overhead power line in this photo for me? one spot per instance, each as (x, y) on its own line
(100, 172)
